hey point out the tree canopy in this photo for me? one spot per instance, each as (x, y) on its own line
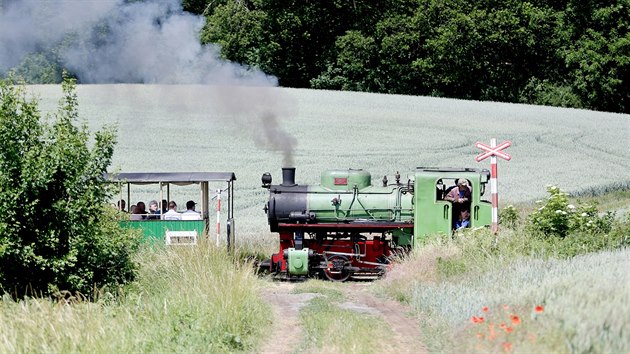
(570, 53)
(563, 53)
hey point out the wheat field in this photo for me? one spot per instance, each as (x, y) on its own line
(174, 128)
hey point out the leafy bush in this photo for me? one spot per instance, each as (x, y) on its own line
(559, 218)
(569, 230)
(509, 217)
(56, 231)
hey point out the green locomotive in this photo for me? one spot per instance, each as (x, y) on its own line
(349, 226)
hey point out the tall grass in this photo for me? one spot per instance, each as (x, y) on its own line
(447, 282)
(188, 299)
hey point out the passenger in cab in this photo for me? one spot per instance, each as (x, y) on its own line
(172, 213)
(463, 220)
(190, 213)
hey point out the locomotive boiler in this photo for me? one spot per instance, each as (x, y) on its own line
(348, 226)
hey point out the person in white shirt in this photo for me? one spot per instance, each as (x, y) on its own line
(190, 213)
(172, 213)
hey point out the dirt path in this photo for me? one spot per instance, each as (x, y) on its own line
(285, 334)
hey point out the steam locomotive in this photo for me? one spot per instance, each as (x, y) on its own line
(349, 227)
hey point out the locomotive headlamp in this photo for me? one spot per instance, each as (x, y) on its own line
(266, 180)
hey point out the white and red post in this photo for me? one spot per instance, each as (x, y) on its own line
(493, 151)
(218, 215)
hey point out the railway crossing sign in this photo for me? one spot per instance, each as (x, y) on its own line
(493, 151)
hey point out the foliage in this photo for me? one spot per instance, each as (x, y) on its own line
(556, 217)
(569, 54)
(542, 52)
(37, 69)
(57, 233)
(509, 217)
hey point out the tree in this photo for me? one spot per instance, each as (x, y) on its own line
(57, 232)
(598, 53)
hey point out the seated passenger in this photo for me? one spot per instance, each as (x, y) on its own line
(172, 213)
(463, 220)
(134, 214)
(122, 206)
(190, 213)
(154, 211)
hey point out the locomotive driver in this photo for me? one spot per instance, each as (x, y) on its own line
(461, 194)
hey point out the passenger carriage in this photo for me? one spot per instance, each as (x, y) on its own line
(182, 232)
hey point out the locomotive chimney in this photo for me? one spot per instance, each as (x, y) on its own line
(288, 176)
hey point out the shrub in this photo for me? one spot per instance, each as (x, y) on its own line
(570, 230)
(556, 217)
(509, 216)
(56, 231)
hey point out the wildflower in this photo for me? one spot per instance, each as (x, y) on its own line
(515, 320)
(558, 211)
(502, 325)
(571, 206)
(564, 212)
(507, 346)
(539, 309)
(485, 309)
(584, 214)
(476, 319)
(508, 329)
(506, 307)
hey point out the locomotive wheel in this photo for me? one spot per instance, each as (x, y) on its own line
(335, 268)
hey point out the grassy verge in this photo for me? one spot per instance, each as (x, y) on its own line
(479, 292)
(189, 299)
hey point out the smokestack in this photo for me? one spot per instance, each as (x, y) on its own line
(288, 177)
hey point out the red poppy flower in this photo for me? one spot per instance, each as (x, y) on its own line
(507, 346)
(509, 329)
(502, 325)
(539, 309)
(485, 309)
(515, 320)
(476, 319)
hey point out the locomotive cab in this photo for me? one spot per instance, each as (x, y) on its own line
(433, 214)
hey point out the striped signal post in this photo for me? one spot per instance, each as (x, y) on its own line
(218, 215)
(493, 151)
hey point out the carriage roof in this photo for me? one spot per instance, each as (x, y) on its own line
(171, 177)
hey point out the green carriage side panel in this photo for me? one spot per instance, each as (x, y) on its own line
(155, 230)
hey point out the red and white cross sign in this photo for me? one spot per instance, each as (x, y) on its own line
(493, 151)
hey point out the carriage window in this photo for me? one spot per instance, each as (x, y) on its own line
(439, 189)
